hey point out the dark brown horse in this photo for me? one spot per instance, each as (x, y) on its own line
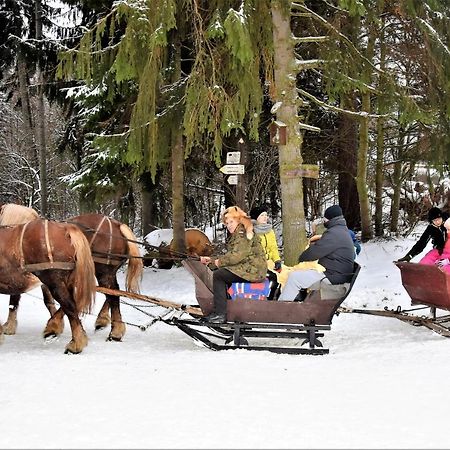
(112, 244)
(58, 254)
(197, 243)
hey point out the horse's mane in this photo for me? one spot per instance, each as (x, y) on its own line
(12, 214)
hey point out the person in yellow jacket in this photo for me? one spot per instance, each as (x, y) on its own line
(263, 229)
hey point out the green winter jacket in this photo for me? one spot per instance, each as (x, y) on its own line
(244, 257)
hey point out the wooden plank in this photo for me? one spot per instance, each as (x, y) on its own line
(195, 310)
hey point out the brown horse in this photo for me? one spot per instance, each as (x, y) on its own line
(58, 254)
(12, 214)
(112, 244)
(197, 243)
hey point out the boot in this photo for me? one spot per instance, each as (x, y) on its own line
(301, 295)
(215, 317)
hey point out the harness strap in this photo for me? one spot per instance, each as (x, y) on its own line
(47, 241)
(108, 260)
(21, 257)
(49, 265)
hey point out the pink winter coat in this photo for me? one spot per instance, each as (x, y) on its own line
(433, 256)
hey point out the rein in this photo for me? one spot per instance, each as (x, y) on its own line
(149, 247)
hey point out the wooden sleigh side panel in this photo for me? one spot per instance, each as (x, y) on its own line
(314, 310)
(426, 285)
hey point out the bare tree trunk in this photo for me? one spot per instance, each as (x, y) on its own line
(40, 117)
(241, 187)
(395, 204)
(379, 175)
(179, 241)
(293, 214)
(347, 163)
(148, 213)
(361, 180)
(26, 107)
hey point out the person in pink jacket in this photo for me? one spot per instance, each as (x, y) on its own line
(441, 260)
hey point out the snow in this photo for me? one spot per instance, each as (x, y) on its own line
(383, 384)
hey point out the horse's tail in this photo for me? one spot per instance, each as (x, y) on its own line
(135, 263)
(84, 273)
(12, 214)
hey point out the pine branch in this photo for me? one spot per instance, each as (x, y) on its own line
(357, 115)
(344, 38)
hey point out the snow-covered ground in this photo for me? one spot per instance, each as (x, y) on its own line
(384, 383)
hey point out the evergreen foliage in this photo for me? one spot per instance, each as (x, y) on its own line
(220, 91)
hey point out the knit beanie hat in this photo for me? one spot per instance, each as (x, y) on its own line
(434, 213)
(333, 211)
(257, 211)
(241, 216)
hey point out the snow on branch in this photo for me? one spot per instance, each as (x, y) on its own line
(358, 115)
(434, 33)
(344, 38)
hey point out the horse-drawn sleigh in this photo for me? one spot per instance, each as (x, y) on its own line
(252, 324)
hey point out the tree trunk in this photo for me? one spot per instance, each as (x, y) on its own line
(361, 181)
(25, 104)
(346, 163)
(148, 204)
(379, 175)
(179, 242)
(293, 214)
(395, 203)
(40, 117)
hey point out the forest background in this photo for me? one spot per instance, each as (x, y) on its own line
(129, 108)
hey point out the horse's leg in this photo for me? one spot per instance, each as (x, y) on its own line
(1, 333)
(55, 325)
(48, 300)
(79, 337)
(10, 326)
(64, 296)
(109, 280)
(103, 317)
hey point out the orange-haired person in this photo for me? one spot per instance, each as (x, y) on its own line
(244, 260)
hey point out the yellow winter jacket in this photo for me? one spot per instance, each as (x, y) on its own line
(286, 270)
(269, 245)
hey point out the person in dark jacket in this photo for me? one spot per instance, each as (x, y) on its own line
(334, 251)
(244, 260)
(435, 231)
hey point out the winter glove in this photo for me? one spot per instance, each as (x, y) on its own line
(406, 258)
(443, 262)
(277, 266)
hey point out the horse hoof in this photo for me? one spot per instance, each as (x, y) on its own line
(9, 332)
(114, 338)
(50, 337)
(67, 351)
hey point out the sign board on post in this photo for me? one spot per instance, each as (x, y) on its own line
(232, 179)
(305, 171)
(233, 157)
(233, 169)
